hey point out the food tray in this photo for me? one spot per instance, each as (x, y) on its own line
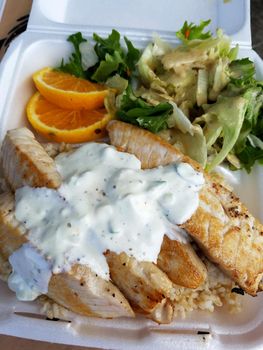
(43, 44)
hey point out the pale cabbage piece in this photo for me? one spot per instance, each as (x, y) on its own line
(118, 83)
(184, 135)
(193, 145)
(255, 141)
(88, 55)
(186, 106)
(153, 97)
(212, 129)
(202, 87)
(160, 47)
(110, 103)
(146, 66)
(232, 159)
(179, 120)
(219, 78)
(182, 85)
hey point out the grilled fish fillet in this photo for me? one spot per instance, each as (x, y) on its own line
(222, 226)
(146, 287)
(149, 148)
(178, 260)
(181, 264)
(25, 162)
(12, 233)
(80, 289)
(85, 293)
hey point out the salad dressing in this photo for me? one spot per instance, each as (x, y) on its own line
(106, 201)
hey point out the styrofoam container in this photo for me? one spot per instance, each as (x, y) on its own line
(44, 44)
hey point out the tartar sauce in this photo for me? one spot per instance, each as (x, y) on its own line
(30, 273)
(106, 201)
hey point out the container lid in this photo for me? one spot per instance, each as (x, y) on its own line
(141, 18)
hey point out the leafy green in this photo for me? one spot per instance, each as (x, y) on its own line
(249, 156)
(113, 58)
(232, 55)
(136, 111)
(258, 129)
(74, 66)
(242, 71)
(243, 84)
(107, 45)
(254, 97)
(132, 56)
(107, 66)
(191, 31)
(107, 57)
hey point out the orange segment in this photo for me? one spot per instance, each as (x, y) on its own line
(62, 125)
(67, 91)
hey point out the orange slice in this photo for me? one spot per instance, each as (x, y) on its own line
(63, 125)
(67, 91)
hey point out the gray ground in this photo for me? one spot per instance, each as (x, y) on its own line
(257, 25)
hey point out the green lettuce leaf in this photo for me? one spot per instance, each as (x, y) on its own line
(74, 64)
(107, 66)
(113, 58)
(258, 129)
(241, 71)
(132, 56)
(102, 61)
(107, 45)
(191, 31)
(249, 156)
(254, 97)
(243, 84)
(136, 111)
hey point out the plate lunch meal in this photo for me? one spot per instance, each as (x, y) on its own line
(127, 152)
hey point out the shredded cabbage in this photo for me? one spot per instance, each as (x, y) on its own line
(202, 87)
(194, 145)
(146, 66)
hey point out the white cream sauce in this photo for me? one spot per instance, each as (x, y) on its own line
(107, 202)
(30, 273)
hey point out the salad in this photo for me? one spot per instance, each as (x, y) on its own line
(197, 96)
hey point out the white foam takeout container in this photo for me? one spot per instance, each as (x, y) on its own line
(44, 44)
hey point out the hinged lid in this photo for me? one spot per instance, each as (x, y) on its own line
(141, 18)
